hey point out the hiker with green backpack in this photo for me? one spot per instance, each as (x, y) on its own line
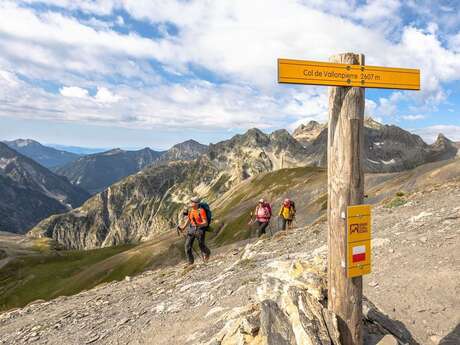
(198, 220)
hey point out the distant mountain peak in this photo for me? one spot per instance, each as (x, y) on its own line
(255, 134)
(47, 156)
(442, 137)
(114, 151)
(184, 151)
(191, 143)
(24, 142)
(306, 133)
(311, 125)
(281, 135)
(443, 148)
(371, 123)
(97, 171)
(31, 191)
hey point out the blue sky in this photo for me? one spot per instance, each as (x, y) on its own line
(136, 73)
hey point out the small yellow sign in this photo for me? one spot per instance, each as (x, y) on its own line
(359, 223)
(334, 74)
(358, 271)
(358, 240)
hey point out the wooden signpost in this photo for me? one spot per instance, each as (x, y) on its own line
(348, 252)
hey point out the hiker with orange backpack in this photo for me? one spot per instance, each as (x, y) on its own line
(197, 223)
(287, 213)
(262, 213)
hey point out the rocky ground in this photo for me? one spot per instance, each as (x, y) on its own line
(415, 279)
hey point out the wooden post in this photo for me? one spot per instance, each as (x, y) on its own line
(345, 187)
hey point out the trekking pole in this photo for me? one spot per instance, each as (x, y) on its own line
(270, 229)
(195, 251)
(197, 254)
(181, 234)
(251, 226)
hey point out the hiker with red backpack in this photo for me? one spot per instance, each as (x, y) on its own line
(287, 213)
(262, 213)
(198, 220)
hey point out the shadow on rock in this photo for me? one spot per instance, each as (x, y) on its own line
(381, 329)
(453, 338)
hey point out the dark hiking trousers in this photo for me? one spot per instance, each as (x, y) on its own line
(261, 227)
(193, 234)
(286, 223)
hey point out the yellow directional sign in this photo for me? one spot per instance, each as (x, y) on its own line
(334, 74)
(358, 240)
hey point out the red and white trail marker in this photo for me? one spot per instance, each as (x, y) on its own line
(359, 254)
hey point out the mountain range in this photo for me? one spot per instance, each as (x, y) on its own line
(30, 192)
(47, 156)
(96, 172)
(387, 148)
(148, 202)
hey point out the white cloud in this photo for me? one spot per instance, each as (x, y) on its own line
(237, 41)
(429, 134)
(374, 10)
(73, 91)
(8, 78)
(104, 95)
(454, 43)
(413, 117)
(59, 45)
(194, 105)
(370, 107)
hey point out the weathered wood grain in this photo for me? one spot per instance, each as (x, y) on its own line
(345, 187)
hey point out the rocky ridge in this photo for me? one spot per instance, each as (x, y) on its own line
(387, 148)
(306, 133)
(145, 203)
(96, 172)
(138, 207)
(255, 152)
(185, 151)
(44, 155)
(31, 192)
(260, 290)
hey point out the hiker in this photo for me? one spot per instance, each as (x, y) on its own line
(287, 213)
(263, 213)
(198, 220)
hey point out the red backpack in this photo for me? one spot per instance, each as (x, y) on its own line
(268, 207)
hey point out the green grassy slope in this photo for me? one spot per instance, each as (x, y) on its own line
(305, 185)
(47, 273)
